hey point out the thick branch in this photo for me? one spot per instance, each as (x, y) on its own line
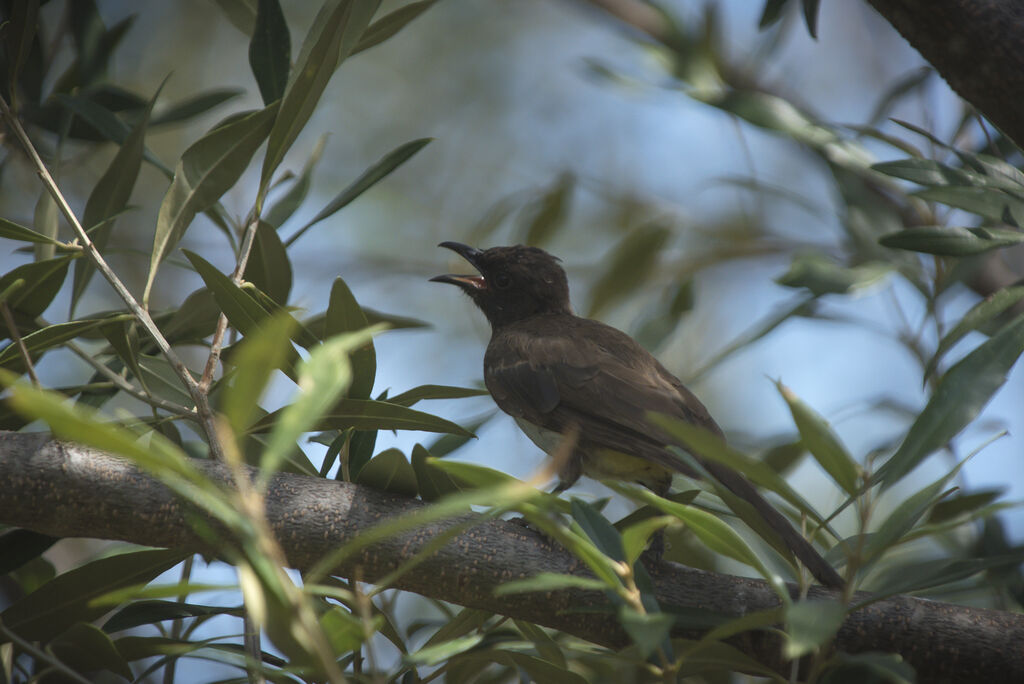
(976, 45)
(65, 490)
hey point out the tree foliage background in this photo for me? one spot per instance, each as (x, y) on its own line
(845, 226)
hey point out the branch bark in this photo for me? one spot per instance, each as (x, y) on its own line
(976, 45)
(70, 491)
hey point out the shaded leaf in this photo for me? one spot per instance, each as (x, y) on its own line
(980, 314)
(432, 483)
(549, 581)
(956, 506)
(206, 171)
(647, 630)
(991, 203)
(110, 196)
(810, 625)
(258, 356)
(632, 264)
(18, 547)
(14, 231)
(147, 612)
(66, 599)
(417, 394)
(598, 529)
(390, 24)
(194, 106)
(345, 315)
(365, 414)
(270, 50)
(269, 267)
(41, 340)
(961, 394)
(389, 471)
(391, 161)
(332, 37)
(85, 648)
(283, 209)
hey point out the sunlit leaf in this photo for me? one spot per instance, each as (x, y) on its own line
(258, 356)
(822, 442)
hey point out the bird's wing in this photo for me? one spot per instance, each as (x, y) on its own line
(554, 380)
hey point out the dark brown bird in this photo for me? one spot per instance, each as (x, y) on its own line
(554, 372)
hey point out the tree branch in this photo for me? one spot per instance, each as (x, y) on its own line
(66, 490)
(976, 45)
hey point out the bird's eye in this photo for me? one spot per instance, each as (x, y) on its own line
(501, 281)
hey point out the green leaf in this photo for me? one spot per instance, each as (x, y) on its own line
(390, 24)
(820, 275)
(18, 547)
(632, 265)
(15, 231)
(439, 653)
(822, 442)
(345, 315)
(924, 172)
(423, 392)
(138, 613)
(389, 471)
(332, 37)
(957, 506)
(20, 33)
(41, 340)
(41, 280)
(270, 50)
(810, 625)
(391, 161)
(192, 107)
(952, 241)
(811, 16)
(549, 581)
(904, 517)
(66, 599)
(283, 209)
(922, 575)
(344, 631)
(636, 536)
(771, 13)
(647, 630)
(714, 533)
(550, 211)
(110, 196)
(980, 314)
(990, 203)
(269, 267)
(961, 394)
(431, 482)
(256, 359)
(365, 414)
(323, 378)
(206, 171)
(45, 221)
(471, 475)
(85, 648)
(598, 529)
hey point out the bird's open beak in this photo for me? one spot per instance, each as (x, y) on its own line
(470, 254)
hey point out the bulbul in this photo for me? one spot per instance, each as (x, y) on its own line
(555, 372)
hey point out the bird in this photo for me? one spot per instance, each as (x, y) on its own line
(557, 373)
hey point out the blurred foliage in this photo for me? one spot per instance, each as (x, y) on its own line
(929, 221)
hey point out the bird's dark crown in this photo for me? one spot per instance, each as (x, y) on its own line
(514, 283)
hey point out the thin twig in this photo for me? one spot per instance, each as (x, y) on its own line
(199, 397)
(222, 320)
(16, 339)
(122, 384)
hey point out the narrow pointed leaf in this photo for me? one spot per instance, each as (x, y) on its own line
(283, 208)
(822, 442)
(432, 483)
(41, 340)
(269, 267)
(206, 171)
(979, 315)
(86, 648)
(332, 37)
(109, 198)
(345, 315)
(390, 24)
(66, 599)
(389, 471)
(15, 231)
(952, 241)
(270, 50)
(258, 356)
(417, 394)
(960, 396)
(364, 414)
(367, 180)
(194, 106)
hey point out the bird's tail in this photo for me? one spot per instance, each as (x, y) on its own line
(794, 541)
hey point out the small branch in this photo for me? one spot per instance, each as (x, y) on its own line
(201, 400)
(16, 339)
(65, 490)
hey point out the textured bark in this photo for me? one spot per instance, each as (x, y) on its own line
(976, 45)
(69, 491)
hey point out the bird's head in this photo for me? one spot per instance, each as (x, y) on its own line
(513, 282)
